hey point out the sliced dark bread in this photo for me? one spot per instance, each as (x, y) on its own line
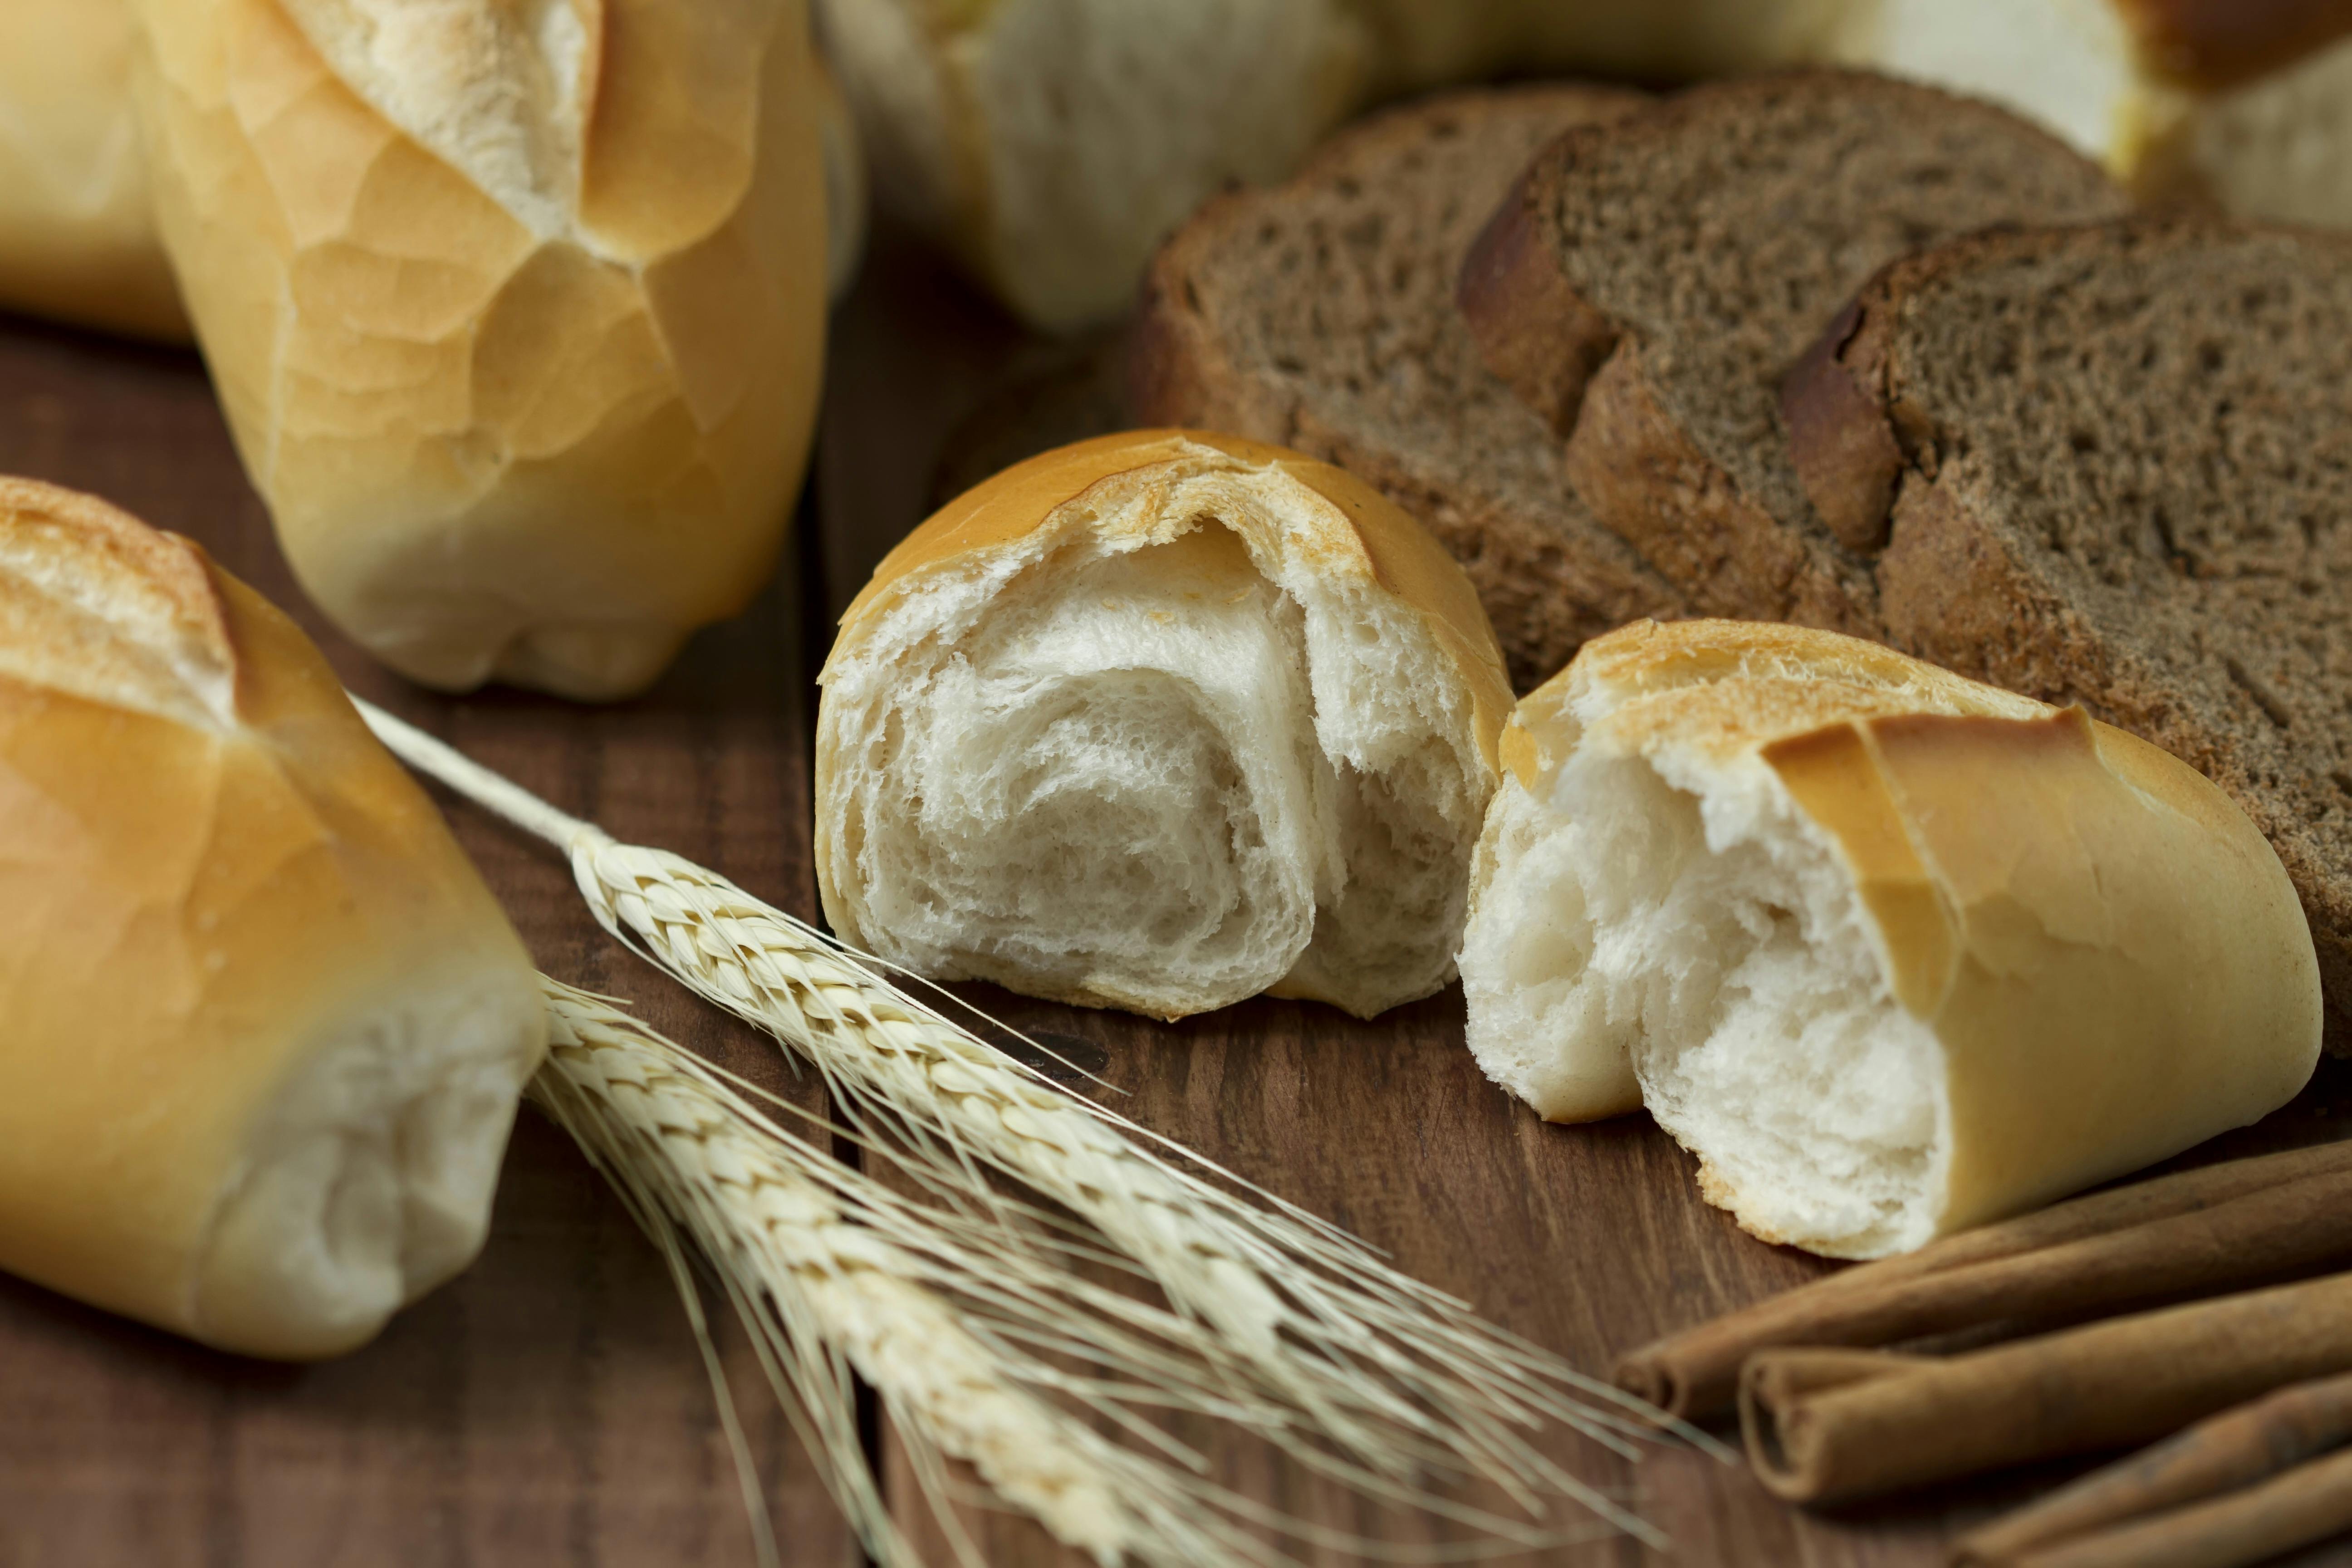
(1320, 314)
(1649, 281)
(2116, 462)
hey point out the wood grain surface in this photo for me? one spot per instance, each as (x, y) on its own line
(548, 1407)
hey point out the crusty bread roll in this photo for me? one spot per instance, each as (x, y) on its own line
(528, 388)
(1892, 952)
(1162, 721)
(266, 1027)
(1052, 143)
(76, 237)
(2247, 105)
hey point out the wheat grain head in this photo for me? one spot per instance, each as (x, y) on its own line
(1381, 1376)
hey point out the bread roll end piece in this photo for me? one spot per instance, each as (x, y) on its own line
(366, 1180)
(1160, 722)
(1892, 952)
(267, 1028)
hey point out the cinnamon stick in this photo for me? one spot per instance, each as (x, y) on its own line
(2201, 1232)
(1836, 1426)
(2251, 1526)
(2149, 1493)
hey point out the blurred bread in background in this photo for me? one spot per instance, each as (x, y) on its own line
(78, 241)
(517, 312)
(1051, 144)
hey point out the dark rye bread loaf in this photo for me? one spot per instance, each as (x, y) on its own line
(1649, 281)
(1320, 314)
(2116, 462)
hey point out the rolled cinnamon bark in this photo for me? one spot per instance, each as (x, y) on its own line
(2200, 1232)
(2251, 1526)
(1836, 1426)
(2212, 1459)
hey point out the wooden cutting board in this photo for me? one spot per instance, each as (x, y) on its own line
(548, 1406)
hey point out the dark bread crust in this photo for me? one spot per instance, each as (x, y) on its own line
(2212, 44)
(1319, 315)
(1844, 450)
(1533, 329)
(1638, 469)
(1989, 567)
(1603, 257)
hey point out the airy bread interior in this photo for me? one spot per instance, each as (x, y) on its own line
(1163, 761)
(1689, 928)
(367, 1180)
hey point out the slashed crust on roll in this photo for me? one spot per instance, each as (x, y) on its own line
(267, 1028)
(1892, 952)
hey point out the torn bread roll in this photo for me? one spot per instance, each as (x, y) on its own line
(1162, 721)
(78, 238)
(1892, 952)
(517, 310)
(267, 1029)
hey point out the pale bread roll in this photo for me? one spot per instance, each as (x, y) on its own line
(78, 238)
(1051, 144)
(266, 1027)
(1892, 952)
(1162, 721)
(529, 389)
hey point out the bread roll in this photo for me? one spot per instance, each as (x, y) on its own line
(77, 240)
(528, 388)
(2249, 106)
(1159, 721)
(1892, 952)
(1052, 143)
(265, 1026)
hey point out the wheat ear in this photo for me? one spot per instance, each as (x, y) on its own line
(1392, 1376)
(831, 1272)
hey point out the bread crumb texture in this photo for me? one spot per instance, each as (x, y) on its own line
(1892, 952)
(1158, 723)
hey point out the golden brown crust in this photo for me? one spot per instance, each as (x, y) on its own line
(1730, 687)
(537, 438)
(2109, 953)
(1839, 439)
(1404, 558)
(1534, 330)
(198, 901)
(78, 238)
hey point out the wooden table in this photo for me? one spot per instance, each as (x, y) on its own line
(548, 1406)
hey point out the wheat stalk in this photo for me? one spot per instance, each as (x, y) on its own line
(831, 1273)
(1378, 1374)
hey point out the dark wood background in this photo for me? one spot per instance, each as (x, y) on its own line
(549, 1408)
